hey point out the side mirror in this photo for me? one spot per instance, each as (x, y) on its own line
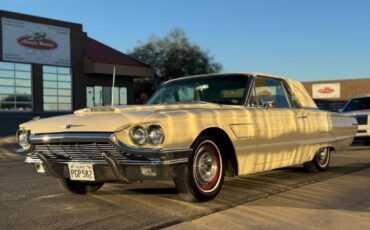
(340, 110)
(267, 103)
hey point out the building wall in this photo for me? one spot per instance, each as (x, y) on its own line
(76, 58)
(9, 120)
(348, 89)
(79, 79)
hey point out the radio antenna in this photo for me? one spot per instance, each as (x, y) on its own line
(114, 81)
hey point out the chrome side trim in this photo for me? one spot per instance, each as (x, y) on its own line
(176, 161)
(152, 162)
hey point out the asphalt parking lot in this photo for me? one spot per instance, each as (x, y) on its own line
(29, 201)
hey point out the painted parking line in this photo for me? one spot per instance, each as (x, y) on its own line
(9, 156)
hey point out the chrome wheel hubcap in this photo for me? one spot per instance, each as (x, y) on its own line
(323, 156)
(206, 169)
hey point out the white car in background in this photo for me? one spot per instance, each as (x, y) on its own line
(359, 107)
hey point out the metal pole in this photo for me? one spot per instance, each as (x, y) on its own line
(114, 79)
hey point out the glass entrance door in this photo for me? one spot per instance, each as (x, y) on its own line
(102, 96)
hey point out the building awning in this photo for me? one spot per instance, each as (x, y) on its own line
(100, 59)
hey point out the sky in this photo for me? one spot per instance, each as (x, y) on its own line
(305, 40)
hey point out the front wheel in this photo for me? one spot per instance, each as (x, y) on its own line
(202, 178)
(79, 187)
(320, 162)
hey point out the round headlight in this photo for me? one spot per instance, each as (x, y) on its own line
(138, 135)
(23, 136)
(155, 134)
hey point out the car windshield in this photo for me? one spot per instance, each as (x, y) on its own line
(358, 104)
(225, 89)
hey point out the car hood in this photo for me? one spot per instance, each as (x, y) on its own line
(106, 119)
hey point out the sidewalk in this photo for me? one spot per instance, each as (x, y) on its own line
(339, 203)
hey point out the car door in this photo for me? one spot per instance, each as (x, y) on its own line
(277, 125)
(305, 128)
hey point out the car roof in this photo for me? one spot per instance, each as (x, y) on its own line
(254, 74)
(300, 92)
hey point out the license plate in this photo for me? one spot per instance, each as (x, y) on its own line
(80, 171)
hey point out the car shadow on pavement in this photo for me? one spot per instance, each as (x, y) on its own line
(156, 204)
(239, 190)
(155, 191)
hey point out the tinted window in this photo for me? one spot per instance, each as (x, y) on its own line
(57, 88)
(15, 86)
(358, 104)
(215, 89)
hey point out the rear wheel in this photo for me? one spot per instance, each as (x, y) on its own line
(79, 187)
(320, 162)
(203, 177)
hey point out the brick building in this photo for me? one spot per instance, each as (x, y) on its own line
(333, 94)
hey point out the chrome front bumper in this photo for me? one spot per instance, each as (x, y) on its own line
(126, 164)
(363, 131)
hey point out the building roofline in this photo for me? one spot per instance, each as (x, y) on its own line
(38, 17)
(140, 63)
(337, 80)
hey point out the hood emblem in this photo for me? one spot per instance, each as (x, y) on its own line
(68, 126)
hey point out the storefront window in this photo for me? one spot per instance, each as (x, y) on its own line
(15, 86)
(57, 88)
(102, 95)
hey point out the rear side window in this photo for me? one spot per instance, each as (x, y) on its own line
(292, 100)
(267, 89)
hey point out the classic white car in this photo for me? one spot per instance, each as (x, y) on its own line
(359, 107)
(194, 130)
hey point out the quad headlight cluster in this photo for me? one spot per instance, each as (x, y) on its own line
(153, 134)
(23, 139)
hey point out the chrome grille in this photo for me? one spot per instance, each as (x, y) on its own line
(82, 152)
(361, 119)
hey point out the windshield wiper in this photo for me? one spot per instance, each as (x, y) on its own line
(191, 102)
(206, 102)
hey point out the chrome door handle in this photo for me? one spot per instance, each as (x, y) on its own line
(302, 117)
